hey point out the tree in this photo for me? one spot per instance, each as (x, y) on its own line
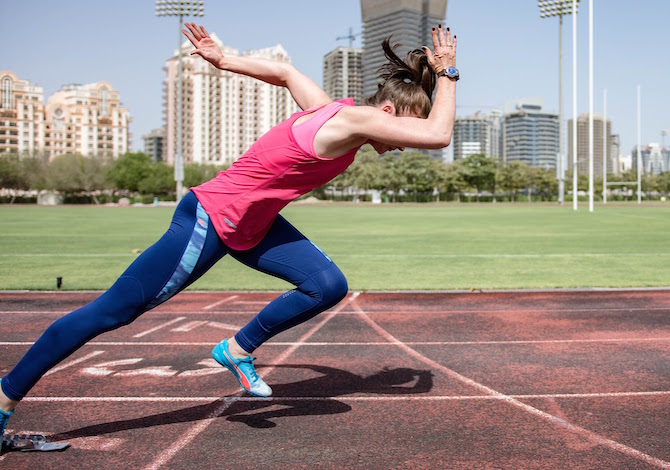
(130, 169)
(481, 172)
(72, 173)
(419, 172)
(454, 178)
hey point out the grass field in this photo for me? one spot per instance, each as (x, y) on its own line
(379, 247)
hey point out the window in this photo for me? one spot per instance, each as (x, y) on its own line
(104, 101)
(7, 87)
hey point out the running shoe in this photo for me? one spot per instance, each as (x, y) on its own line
(243, 370)
(4, 416)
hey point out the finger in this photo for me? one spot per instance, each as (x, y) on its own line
(429, 54)
(194, 30)
(454, 42)
(190, 38)
(448, 38)
(436, 42)
(205, 34)
(440, 36)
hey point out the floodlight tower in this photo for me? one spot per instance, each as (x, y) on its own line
(548, 9)
(179, 8)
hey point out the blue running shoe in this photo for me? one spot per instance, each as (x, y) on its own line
(243, 370)
(4, 416)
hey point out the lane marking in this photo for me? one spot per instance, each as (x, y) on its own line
(159, 327)
(167, 455)
(189, 326)
(219, 302)
(443, 311)
(73, 363)
(614, 445)
(223, 326)
(358, 343)
(660, 393)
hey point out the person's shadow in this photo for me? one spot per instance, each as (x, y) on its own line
(310, 397)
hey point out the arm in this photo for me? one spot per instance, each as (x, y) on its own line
(435, 132)
(304, 90)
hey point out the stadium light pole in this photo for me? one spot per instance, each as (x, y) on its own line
(180, 9)
(549, 9)
(590, 105)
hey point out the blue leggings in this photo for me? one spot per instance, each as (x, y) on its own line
(185, 252)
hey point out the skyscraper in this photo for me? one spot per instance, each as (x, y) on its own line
(583, 146)
(223, 113)
(342, 74)
(410, 23)
(478, 133)
(530, 134)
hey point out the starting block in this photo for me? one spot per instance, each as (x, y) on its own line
(31, 443)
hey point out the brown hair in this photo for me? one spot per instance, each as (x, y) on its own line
(408, 83)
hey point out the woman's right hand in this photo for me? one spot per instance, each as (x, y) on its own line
(445, 50)
(205, 46)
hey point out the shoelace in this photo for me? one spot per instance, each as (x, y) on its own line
(251, 369)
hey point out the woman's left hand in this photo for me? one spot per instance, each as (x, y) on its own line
(445, 50)
(205, 46)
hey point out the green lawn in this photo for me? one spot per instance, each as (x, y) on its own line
(380, 247)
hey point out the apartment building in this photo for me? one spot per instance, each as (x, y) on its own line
(223, 113)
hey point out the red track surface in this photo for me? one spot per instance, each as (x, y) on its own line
(384, 380)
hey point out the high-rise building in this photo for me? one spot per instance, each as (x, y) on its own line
(478, 133)
(84, 119)
(223, 113)
(342, 74)
(409, 21)
(88, 120)
(21, 115)
(154, 144)
(655, 159)
(583, 146)
(530, 134)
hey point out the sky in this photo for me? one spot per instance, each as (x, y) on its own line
(506, 52)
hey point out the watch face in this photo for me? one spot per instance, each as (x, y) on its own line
(451, 70)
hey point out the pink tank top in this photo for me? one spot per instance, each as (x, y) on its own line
(243, 201)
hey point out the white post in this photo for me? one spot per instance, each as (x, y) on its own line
(590, 105)
(560, 167)
(639, 149)
(574, 105)
(178, 161)
(605, 146)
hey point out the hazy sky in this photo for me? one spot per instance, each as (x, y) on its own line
(505, 51)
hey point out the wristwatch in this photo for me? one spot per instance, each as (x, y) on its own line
(450, 72)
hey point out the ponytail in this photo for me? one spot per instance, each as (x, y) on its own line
(408, 83)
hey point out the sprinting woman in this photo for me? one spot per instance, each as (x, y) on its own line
(236, 213)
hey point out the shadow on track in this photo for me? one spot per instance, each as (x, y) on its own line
(332, 383)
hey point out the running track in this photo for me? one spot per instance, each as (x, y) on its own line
(564, 379)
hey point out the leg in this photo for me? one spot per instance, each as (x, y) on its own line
(186, 251)
(287, 254)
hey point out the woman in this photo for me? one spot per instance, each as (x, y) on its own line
(236, 213)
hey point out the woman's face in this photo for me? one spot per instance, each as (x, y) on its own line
(389, 108)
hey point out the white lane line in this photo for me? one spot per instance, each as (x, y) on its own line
(219, 302)
(444, 311)
(223, 326)
(73, 363)
(167, 455)
(597, 438)
(189, 326)
(159, 327)
(428, 398)
(356, 343)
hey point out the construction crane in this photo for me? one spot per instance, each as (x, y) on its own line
(351, 36)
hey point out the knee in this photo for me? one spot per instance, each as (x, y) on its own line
(329, 286)
(122, 303)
